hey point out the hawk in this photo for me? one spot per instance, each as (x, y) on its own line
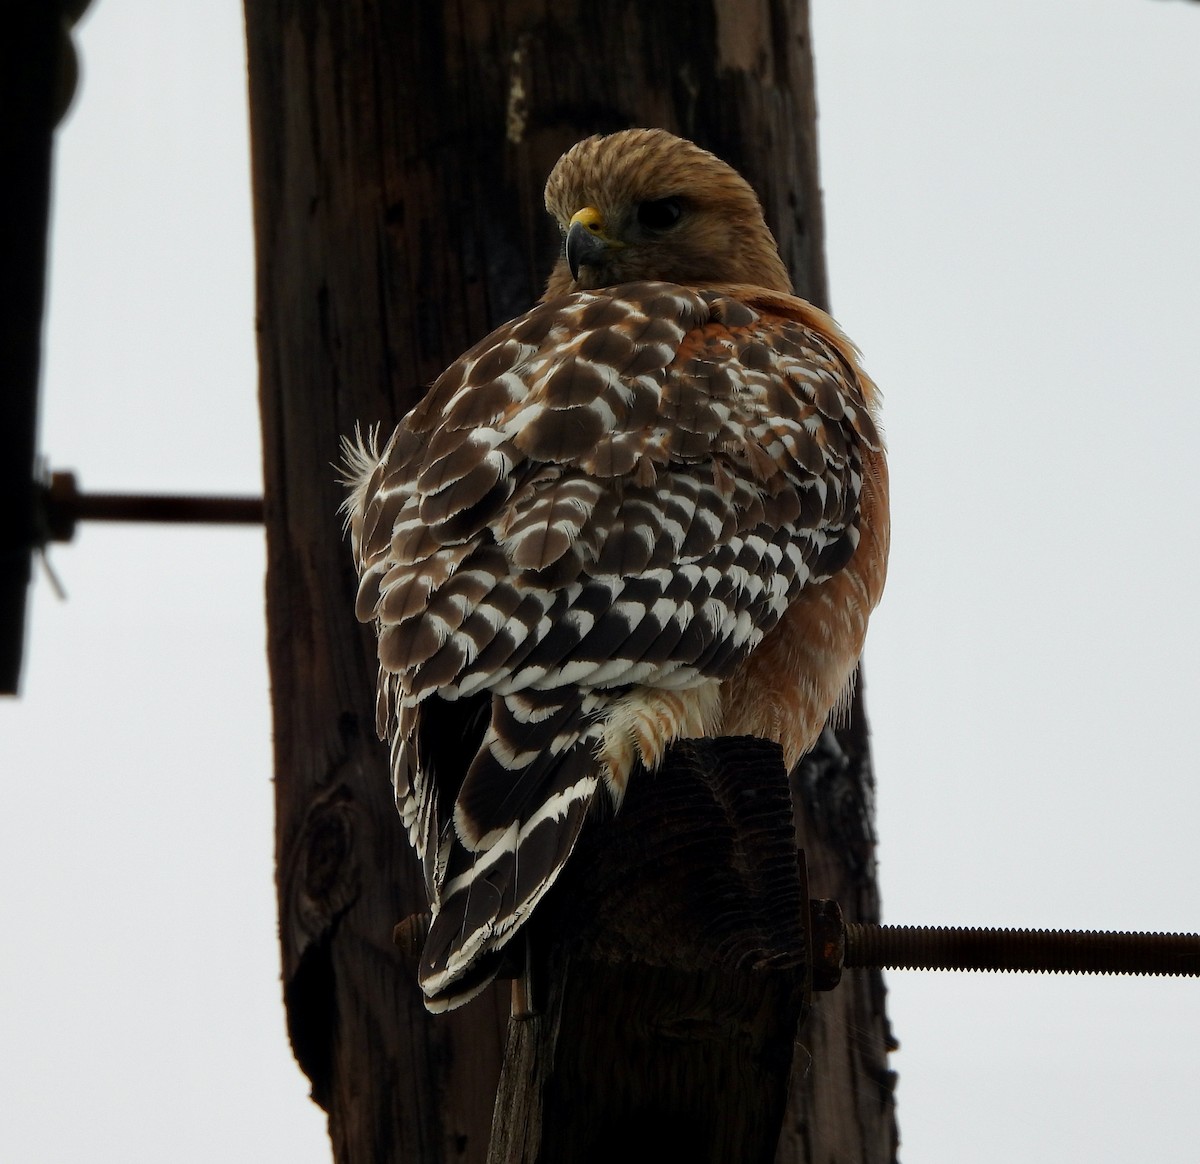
(653, 507)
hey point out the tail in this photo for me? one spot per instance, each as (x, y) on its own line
(516, 819)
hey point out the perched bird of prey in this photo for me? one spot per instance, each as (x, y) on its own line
(653, 507)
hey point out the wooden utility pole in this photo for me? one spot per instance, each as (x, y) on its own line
(399, 153)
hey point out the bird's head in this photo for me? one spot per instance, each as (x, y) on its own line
(644, 204)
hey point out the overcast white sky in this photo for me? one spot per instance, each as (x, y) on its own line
(1010, 195)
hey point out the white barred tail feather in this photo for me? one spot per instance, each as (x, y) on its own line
(487, 893)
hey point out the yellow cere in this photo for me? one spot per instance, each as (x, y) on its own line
(593, 222)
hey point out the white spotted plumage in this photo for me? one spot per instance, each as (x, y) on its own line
(576, 544)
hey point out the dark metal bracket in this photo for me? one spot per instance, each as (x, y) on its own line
(58, 505)
(64, 505)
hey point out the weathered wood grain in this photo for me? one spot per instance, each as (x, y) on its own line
(399, 152)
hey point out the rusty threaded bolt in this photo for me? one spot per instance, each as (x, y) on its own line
(837, 944)
(64, 506)
(1045, 951)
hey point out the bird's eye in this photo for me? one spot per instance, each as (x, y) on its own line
(661, 214)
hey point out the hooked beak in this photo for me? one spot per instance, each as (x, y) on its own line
(587, 244)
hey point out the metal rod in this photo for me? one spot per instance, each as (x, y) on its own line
(65, 505)
(1045, 951)
(169, 508)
